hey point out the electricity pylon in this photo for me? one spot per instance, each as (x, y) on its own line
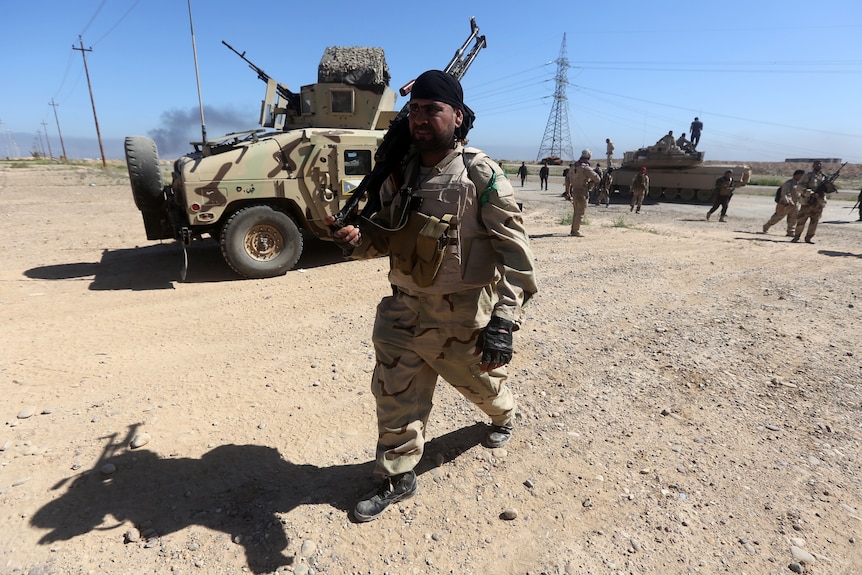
(557, 140)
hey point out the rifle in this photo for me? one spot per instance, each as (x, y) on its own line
(396, 142)
(823, 187)
(291, 98)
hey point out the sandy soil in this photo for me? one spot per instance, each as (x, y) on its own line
(690, 401)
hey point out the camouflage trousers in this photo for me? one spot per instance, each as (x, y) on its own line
(805, 214)
(637, 199)
(417, 338)
(604, 197)
(579, 207)
(782, 210)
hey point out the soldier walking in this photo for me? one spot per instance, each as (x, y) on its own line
(788, 204)
(604, 196)
(811, 204)
(721, 195)
(579, 181)
(543, 175)
(453, 320)
(639, 189)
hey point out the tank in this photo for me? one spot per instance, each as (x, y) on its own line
(675, 174)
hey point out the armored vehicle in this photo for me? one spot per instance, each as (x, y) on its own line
(256, 192)
(675, 174)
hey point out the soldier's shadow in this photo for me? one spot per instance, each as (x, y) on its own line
(236, 489)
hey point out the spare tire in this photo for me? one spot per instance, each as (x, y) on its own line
(145, 175)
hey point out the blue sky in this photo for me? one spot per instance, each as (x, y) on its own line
(769, 79)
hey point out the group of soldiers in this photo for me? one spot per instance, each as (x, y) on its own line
(801, 200)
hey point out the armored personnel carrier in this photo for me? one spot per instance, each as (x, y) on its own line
(675, 174)
(256, 192)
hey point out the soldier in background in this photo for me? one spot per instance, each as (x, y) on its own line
(695, 129)
(810, 204)
(610, 151)
(721, 195)
(683, 144)
(604, 196)
(788, 203)
(639, 189)
(859, 206)
(543, 175)
(579, 181)
(522, 171)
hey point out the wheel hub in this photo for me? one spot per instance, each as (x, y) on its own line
(264, 242)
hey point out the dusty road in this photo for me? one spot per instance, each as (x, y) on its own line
(690, 401)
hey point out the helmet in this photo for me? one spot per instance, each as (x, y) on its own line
(586, 153)
(643, 169)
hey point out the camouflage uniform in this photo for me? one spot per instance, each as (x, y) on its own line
(579, 181)
(721, 195)
(787, 206)
(639, 188)
(604, 196)
(810, 205)
(422, 332)
(610, 152)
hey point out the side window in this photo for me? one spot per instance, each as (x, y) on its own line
(305, 98)
(357, 162)
(342, 101)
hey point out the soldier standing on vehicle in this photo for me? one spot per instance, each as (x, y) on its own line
(543, 175)
(788, 202)
(721, 195)
(810, 204)
(579, 181)
(453, 321)
(639, 189)
(522, 171)
(604, 196)
(695, 129)
(610, 151)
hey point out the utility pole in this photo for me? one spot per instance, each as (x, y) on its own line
(557, 139)
(92, 101)
(47, 139)
(5, 140)
(62, 145)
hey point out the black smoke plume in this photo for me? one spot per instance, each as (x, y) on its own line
(180, 127)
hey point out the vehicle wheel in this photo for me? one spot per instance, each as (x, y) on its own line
(261, 242)
(671, 193)
(654, 193)
(687, 194)
(704, 195)
(145, 175)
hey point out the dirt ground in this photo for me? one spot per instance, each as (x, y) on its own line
(690, 401)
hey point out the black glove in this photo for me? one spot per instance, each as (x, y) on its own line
(496, 341)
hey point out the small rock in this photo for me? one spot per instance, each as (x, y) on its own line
(772, 427)
(140, 440)
(308, 548)
(795, 567)
(801, 555)
(529, 484)
(509, 513)
(132, 536)
(108, 468)
(26, 412)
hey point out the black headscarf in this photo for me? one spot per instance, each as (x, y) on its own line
(442, 87)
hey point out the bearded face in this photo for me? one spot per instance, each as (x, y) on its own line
(433, 124)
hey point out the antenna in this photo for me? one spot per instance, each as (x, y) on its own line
(198, 77)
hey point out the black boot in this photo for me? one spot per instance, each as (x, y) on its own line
(392, 490)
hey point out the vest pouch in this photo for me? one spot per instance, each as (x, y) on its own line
(417, 248)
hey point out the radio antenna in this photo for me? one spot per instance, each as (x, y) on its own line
(198, 77)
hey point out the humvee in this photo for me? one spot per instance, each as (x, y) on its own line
(256, 192)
